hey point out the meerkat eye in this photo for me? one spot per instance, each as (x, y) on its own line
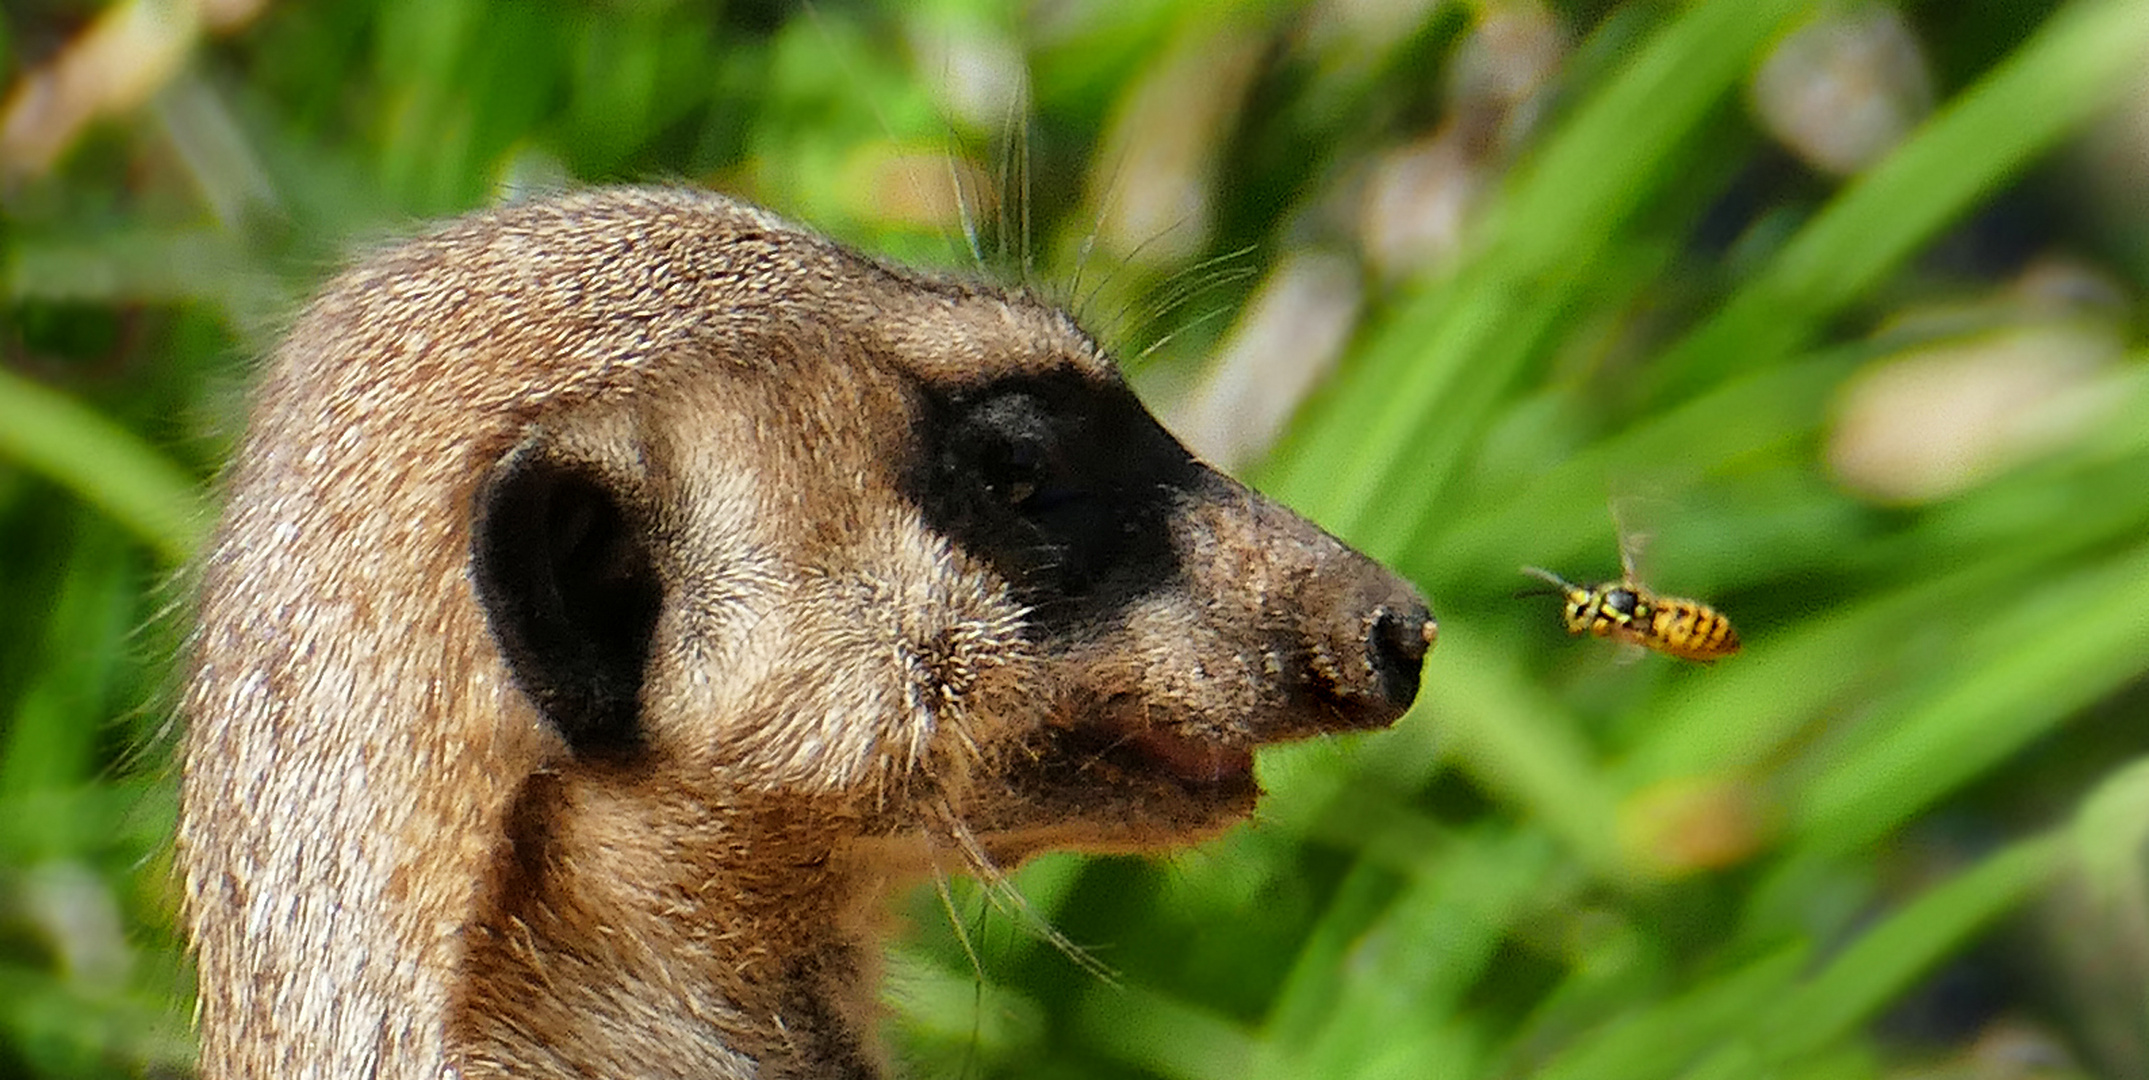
(1014, 472)
(1018, 457)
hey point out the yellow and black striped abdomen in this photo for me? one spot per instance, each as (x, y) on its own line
(1689, 630)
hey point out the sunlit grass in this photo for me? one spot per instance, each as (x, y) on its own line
(1560, 865)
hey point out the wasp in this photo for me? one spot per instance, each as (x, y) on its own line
(1625, 611)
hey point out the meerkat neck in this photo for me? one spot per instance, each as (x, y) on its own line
(580, 941)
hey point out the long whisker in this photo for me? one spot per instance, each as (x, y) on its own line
(1009, 899)
(1096, 230)
(918, 191)
(955, 919)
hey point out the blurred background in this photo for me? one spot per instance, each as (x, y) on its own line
(1833, 311)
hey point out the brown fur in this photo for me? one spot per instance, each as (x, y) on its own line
(611, 607)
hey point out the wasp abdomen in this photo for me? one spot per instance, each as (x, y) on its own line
(1691, 630)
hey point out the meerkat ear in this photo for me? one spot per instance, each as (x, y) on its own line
(564, 572)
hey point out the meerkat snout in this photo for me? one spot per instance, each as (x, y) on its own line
(617, 594)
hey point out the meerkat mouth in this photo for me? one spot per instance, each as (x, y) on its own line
(1127, 736)
(1194, 761)
(1212, 762)
(1122, 741)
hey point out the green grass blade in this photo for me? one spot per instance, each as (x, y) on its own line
(1410, 966)
(1655, 1042)
(1164, 1035)
(1376, 455)
(107, 465)
(2075, 66)
(1888, 960)
(2029, 666)
(1523, 746)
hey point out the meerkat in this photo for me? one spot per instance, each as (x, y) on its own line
(617, 595)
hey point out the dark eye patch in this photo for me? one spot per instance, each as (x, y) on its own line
(1064, 485)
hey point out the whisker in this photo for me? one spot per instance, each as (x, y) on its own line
(828, 37)
(1008, 899)
(1204, 319)
(1089, 240)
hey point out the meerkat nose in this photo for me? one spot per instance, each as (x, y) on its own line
(1396, 644)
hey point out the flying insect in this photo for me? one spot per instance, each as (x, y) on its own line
(1626, 611)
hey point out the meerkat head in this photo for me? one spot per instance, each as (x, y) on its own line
(613, 588)
(889, 538)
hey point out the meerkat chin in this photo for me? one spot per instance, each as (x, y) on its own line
(617, 595)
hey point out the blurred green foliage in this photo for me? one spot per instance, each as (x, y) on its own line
(1900, 836)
